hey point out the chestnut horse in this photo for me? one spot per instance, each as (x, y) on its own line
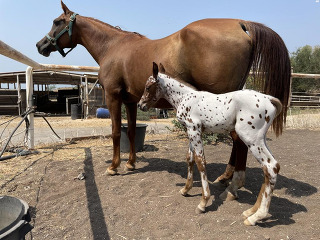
(215, 55)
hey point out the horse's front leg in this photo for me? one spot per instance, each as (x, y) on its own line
(132, 117)
(190, 160)
(196, 148)
(114, 105)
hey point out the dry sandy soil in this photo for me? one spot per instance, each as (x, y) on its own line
(146, 204)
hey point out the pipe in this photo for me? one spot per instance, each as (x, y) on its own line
(29, 98)
(10, 52)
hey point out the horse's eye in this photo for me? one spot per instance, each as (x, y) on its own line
(57, 22)
(147, 88)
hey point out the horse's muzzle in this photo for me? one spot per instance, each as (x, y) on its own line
(44, 47)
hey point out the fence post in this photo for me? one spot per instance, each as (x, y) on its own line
(290, 90)
(19, 95)
(29, 99)
(86, 97)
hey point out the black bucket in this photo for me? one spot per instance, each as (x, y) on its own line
(14, 218)
(139, 138)
(76, 111)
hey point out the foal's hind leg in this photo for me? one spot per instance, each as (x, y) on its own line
(190, 160)
(270, 169)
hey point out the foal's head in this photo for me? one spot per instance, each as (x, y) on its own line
(60, 35)
(151, 94)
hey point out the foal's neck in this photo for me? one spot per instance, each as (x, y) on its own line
(173, 91)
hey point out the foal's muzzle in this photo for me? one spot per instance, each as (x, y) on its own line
(142, 107)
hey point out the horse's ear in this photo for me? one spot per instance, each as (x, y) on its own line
(65, 8)
(155, 70)
(162, 70)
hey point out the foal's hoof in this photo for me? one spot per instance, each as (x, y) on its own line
(248, 223)
(227, 196)
(247, 213)
(129, 167)
(183, 192)
(112, 172)
(200, 210)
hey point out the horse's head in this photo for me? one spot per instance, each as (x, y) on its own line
(60, 36)
(151, 93)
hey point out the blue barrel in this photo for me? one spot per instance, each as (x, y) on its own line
(102, 113)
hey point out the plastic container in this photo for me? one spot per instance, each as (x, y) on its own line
(76, 111)
(14, 218)
(139, 138)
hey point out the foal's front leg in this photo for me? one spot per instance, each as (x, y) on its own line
(190, 160)
(196, 148)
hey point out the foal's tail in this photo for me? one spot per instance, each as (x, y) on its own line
(270, 65)
(276, 102)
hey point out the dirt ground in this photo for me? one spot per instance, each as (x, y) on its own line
(146, 203)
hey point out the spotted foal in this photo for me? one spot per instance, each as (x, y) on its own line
(248, 114)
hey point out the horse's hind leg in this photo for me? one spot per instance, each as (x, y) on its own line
(190, 160)
(132, 117)
(270, 169)
(239, 159)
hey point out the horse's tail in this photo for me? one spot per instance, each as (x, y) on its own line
(270, 65)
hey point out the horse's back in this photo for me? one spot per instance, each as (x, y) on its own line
(216, 54)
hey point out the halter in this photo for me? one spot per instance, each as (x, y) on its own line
(68, 29)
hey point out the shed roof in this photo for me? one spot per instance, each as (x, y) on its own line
(48, 77)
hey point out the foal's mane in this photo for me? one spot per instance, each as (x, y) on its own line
(116, 28)
(181, 81)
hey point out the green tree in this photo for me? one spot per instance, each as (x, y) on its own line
(306, 60)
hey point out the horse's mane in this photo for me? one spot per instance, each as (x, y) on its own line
(116, 28)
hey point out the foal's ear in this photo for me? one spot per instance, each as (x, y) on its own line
(65, 8)
(162, 70)
(155, 70)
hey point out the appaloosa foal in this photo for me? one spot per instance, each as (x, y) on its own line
(248, 113)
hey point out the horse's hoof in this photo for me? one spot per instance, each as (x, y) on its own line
(248, 223)
(130, 167)
(227, 196)
(112, 172)
(220, 185)
(200, 210)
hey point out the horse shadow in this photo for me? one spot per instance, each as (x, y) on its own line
(281, 209)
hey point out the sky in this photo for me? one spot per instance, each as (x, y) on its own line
(24, 22)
